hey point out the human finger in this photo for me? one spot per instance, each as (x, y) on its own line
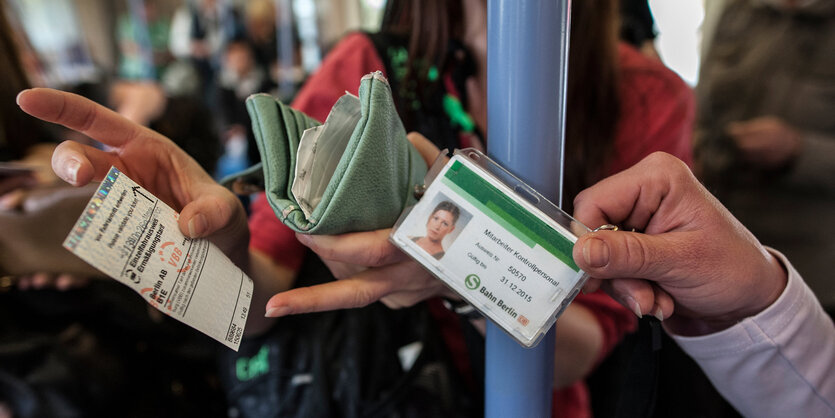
(367, 248)
(341, 270)
(592, 285)
(79, 114)
(425, 286)
(207, 214)
(632, 197)
(618, 254)
(400, 300)
(80, 164)
(664, 304)
(637, 295)
(425, 147)
(358, 291)
(218, 215)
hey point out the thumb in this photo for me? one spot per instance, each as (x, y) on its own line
(619, 254)
(208, 214)
(425, 147)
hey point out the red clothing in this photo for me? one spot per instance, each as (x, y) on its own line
(271, 237)
(656, 115)
(657, 111)
(341, 71)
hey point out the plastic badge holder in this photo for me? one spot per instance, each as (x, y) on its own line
(496, 242)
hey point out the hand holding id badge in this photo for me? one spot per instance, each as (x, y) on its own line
(501, 246)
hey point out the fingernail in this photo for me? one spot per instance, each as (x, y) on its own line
(658, 313)
(71, 171)
(278, 312)
(17, 99)
(596, 252)
(197, 225)
(633, 305)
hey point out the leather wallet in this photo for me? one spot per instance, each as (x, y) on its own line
(356, 172)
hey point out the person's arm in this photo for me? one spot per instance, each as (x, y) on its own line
(786, 351)
(762, 338)
(814, 165)
(771, 142)
(580, 343)
(206, 208)
(586, 333)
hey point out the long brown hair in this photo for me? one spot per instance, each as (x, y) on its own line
(429, 26)
(593, 97)
(17, 130)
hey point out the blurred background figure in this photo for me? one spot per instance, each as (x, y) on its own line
(765, 132)
(240, 77)
(199, 31)
(142, 34)
(637, 26)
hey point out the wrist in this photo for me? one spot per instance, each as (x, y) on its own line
(769, 285)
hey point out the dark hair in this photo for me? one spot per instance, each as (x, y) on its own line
(593, 96)
(18, 131)
(429, 26)
(450, 207)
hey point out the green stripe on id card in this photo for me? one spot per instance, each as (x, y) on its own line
(506, 211)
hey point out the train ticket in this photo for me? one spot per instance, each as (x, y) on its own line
(133, 237)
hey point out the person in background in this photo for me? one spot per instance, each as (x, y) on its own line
(262, 33)
(240, 77)
(134, 33)
(765, 136)
(259, 21)
(637, 26)
(199, 31)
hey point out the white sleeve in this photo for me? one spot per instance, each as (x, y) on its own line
(779, 363)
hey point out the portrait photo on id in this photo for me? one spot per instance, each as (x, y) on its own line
(443, 224)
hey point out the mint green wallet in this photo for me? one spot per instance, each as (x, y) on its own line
(356, 172)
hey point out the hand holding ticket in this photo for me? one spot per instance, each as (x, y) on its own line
(133, 237)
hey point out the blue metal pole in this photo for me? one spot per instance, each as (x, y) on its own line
(527, 56)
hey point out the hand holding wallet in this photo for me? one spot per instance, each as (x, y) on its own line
(357, 172)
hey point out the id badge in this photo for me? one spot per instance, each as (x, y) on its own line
(496, 242)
